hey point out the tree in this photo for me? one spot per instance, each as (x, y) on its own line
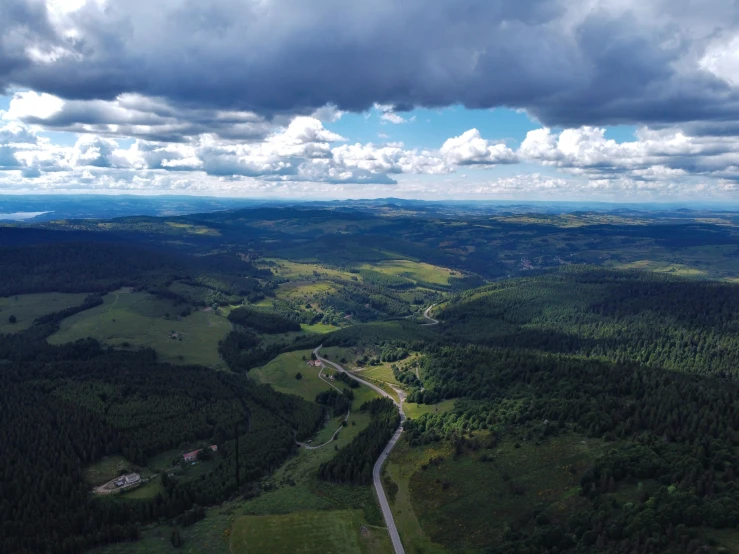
(175, 538)
(12, 319)
(298, 376)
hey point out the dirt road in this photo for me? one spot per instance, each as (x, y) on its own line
(329, 441)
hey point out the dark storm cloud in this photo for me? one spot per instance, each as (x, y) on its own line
(567, 62)
(151, 119)
(22, 23)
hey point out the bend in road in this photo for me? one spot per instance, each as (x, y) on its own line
(329, 441)
(377, 469)
(427, 316)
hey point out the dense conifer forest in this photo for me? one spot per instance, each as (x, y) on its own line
(644, 363)
(64, 407)
(263, 322)
(647, 363)
(354, 463)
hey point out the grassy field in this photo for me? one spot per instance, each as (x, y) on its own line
(146, 491)
(728, 539)
(107, 468)
(384, 385)
(304, 290)
(313, 532)
(337, 353)
(318, 328)
(416, 271)
(294, 485)
(210, 535)
(328, 430)
(196, 295)
(660, 267)
(280, 374)
(381, 372)
(415, 411)
(194, 229)
(295, 271)
(284, 338)
(465, 503)
(171, 461)
(337, 511)
(27, 307)
(403, 463)
(141, 319)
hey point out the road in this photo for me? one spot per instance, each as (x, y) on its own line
(329, 441)
(384, 505)
(427, 316)
(320, 376)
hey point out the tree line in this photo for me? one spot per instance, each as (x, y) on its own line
(65, 407)
(644, 362)
(353, 464)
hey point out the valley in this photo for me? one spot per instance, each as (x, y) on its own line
(376, 395)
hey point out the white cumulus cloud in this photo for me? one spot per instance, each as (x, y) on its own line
(470, 148)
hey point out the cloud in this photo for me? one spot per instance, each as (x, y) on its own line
(302, 151)
(471, 149)
(388, 115)
(657, 154)
(133, 115)
(142, 143)
(663, 61)
(328, 114)
(391, 158)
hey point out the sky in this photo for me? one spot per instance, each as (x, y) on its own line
(602, 100)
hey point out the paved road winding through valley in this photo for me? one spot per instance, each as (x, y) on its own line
(427, 316)
(384, 505)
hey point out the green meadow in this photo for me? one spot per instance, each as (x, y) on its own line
(414, 411)
(332, 532)
(146, 491)
(280, 374)
(465, 502)
(136, 319)
(107, 468)
(416, 271)
(27, 307)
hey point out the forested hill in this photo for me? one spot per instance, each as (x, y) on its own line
(660, 321)
(64, 407)
(645, 363)
(82, 267)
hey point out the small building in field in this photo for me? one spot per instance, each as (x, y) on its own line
(193, 456)
(132, 478)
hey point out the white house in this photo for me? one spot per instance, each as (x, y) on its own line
(132, 478)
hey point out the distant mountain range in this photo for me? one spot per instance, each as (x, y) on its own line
(39, 208)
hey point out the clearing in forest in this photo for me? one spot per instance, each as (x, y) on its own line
(327, 532)
(281, 373)
(141, 319)
(470, 498)
(27, 307)
(419, 272)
